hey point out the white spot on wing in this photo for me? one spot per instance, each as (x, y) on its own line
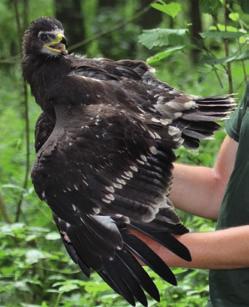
(107, 201)
(177, 114)
(85, 182)
(143, 157)
(189, 105)
(128, 174)
(96, 210)
(121, 181)
(110, 189)
(165, 122)
(65, 236)
(110, 197)
(173, 92)
(118, 186)
(157, 136)
(152, 134)
(153, 150)
(155, 120)
(134, 168)
(173, 130)
(140, 161)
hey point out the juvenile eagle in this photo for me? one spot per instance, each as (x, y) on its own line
(104, 143)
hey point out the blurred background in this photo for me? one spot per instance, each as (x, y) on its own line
(199, 46)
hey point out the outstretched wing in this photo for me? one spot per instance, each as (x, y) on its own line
(102, 177)
(195, 116)
(114, 164)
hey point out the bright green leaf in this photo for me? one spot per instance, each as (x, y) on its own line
(163, 55)
(172, 9)
(243, 39)
(222, 27)
(234, 16)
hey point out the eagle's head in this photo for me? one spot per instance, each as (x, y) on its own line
(45, 36)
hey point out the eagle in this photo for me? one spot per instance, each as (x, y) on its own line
(105, 144)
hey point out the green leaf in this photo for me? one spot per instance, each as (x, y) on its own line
(234, 16)
(21, 285)
(52, 236)
(163, 55)
(221, 34)
(68, 288)
(244, 39)
(162, 37)
(13, 186)
(232, 58)
(222, 27)
(172, 9)
(34, 256)
(12, 228)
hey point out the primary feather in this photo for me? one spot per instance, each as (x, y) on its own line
(104, 145)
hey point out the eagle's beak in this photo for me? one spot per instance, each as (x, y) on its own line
(58, 44)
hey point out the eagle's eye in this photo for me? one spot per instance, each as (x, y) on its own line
(45, 36)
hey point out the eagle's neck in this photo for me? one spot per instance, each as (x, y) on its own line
(42, 72)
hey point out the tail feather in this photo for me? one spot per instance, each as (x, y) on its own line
(200, 122)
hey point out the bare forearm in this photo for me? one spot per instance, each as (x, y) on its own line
(199, 190)
(223, 249)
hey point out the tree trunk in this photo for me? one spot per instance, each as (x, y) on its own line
(70, 14)
(195, 30)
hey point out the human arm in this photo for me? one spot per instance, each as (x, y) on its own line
(194, 190)
(222, 249)
(199, 190)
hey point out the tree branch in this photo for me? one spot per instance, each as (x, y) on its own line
(118, 26)
(226, 48)
(26, 116)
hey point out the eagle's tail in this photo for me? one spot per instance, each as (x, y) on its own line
(113, 238)
(201, 122)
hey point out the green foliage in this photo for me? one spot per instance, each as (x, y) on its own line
(172, 9)
(163, 55)
(162, 37)
(34, 267)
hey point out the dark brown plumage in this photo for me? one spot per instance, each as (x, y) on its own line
(104, 147)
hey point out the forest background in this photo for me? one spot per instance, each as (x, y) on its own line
(198, 46)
